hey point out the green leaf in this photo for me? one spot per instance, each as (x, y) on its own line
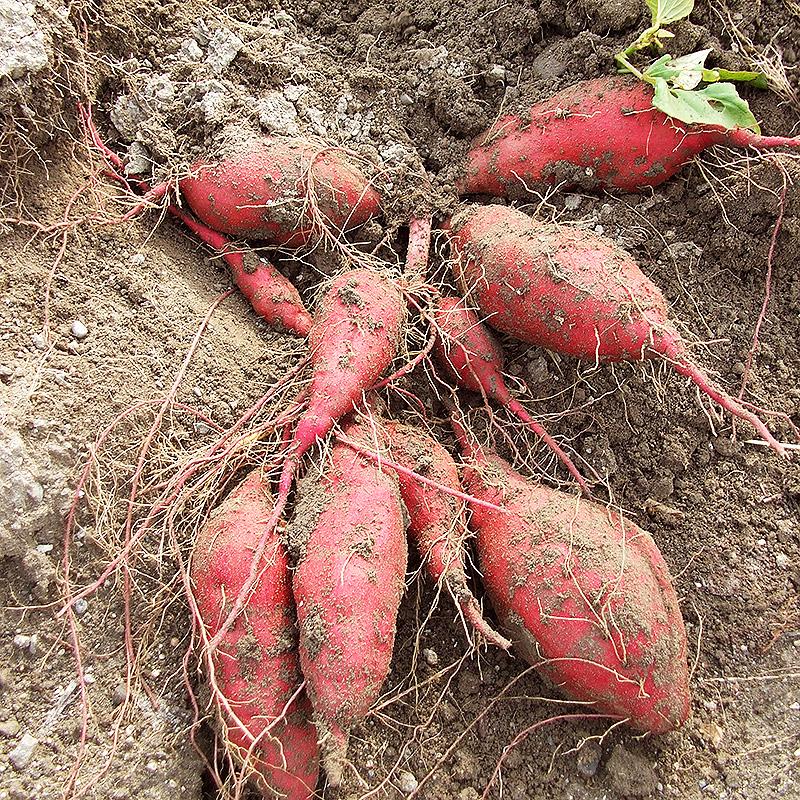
(665, 11)
(684, 72)
(717, 104)
(758, 79)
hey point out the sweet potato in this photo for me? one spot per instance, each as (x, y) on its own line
(348, 542)
(271, 294)
(602, 133)
(469, 353)
(574, 292)
(281, 190)
(436, 520)
(255, 667)
(584, 595)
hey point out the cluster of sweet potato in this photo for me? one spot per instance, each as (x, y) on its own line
(299, 620)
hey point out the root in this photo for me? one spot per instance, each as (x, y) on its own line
(767, 284)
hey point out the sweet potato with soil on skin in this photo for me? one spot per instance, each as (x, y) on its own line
(267, 189)
(348, 542)
(256, 664)
(471, 356)
(602, 133)
(584, 595)
(571, 291)
(271, 294)
(437, 523)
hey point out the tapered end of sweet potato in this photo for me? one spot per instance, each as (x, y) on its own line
(333, 746)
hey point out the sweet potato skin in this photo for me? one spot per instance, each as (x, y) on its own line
(256, 666)
(595, 134)
(263, 190)
(569, 290)
(348, 542)
(585, 596)
(437, 522)
(354, 337)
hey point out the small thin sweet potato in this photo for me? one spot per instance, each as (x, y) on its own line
(437, 524)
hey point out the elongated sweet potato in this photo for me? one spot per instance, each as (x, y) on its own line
(437, 524)
(574, 292)
(348, 542)
(584, 595)
(256, 668)
(601, 133)
(281, 190)
(469, 353)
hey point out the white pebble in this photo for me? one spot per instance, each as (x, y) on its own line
(782, 560)
(431, 657)
(22, 754)
(79, 330)
(80, 606)
(407, 782)
(39, 341)
(44, 548)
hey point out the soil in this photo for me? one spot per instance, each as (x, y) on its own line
(99, 316)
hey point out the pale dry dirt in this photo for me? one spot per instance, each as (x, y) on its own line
(405, 85)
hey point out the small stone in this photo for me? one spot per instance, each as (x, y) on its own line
(9, 728)
(712, 733)
(137, 161)
(223, 49)
(5, 373)
(22, 754)
(573, 202)
(39, 341)
(44, 548)
(589, 759)
(406, 100)
(81, 606)
(151, 766)
(795, 706)
(191, 51)
(782, 560)
(431, 657)
(407, 782)
(22, 641)
(79, 330)
(496, 75)
(119, 695)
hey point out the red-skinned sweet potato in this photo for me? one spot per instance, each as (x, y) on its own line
(256, 667)
(469, 353)
(574, 292)
(584, 595)
(281, 190)
(437, 524)
(348, 541)
(601, 133)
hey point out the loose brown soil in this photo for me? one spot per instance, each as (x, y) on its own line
(404, 85)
